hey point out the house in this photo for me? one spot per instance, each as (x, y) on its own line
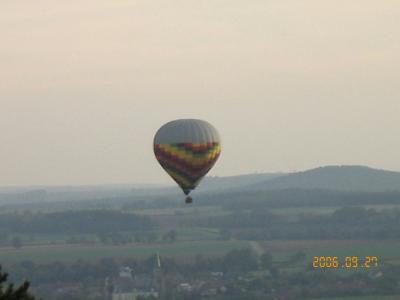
(185, 287)
(125, 272)
(134, 295)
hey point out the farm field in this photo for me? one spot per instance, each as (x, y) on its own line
(183, 234)
(320, 210)
(316, 246)
(69, 253)
(396, 297)
(383, 250)
(387, 251)
(197, 233)
(198, 210)
(219, 211)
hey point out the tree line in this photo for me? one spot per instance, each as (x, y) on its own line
(69, 222)
(343, 223)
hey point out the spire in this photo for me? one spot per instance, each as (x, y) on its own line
(158, 261)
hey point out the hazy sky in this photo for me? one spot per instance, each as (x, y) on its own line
(290, 85)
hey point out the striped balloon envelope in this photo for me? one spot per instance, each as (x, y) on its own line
(187, 149)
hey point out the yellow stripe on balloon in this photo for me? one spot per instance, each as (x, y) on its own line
(189, 157)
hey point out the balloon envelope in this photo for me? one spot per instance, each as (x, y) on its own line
(187, 149)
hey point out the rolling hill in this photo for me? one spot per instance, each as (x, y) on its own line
(342, 178)
(235, 182)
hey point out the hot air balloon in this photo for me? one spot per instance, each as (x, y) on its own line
(187, 149)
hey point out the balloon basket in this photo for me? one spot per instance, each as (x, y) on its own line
(188, 200)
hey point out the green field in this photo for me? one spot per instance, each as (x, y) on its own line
(52, 239)
(382, 249)
(68, 253)
(219, 211)
(385, 250)
(183, 210)
(197, 233)
(289, 211)
(362, 298)
(199, 240)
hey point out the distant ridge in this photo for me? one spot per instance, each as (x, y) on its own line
(213, 183)
(335, 178)
(343, 178)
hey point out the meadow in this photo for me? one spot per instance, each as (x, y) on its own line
(201, 240)
(362, 298)
(71, 253)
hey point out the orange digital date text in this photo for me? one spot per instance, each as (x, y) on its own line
(347, 262)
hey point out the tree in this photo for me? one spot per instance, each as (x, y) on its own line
(240, 260)
(170, 236)
(3, 236)
(266, 261)
(152, 237)
(16, 242)
(225, 234)
(298, 257)
(9, 292)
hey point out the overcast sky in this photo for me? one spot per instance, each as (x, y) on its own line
(290, 85)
